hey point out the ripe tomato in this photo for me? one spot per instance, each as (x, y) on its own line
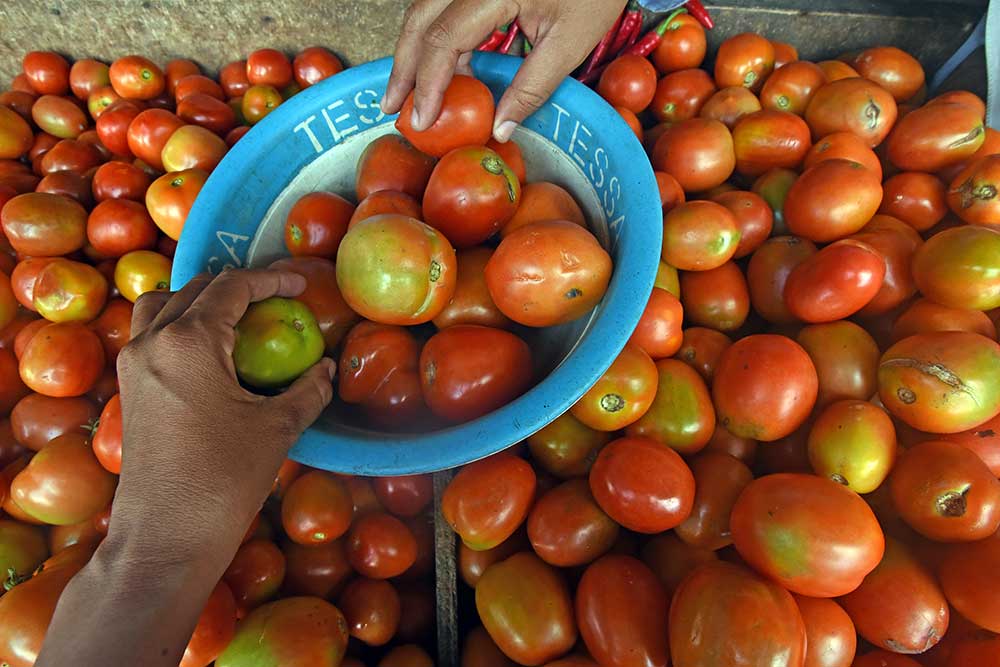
(852, 105)
(754, 218)
(192, 146)
(982, 440)
(269, 67)
(831, 200)
(294, 632)
(791, 87)
(114, 327)
(784, 53)
(681, 415)
(712, 620)
(699, 235)
(773, 187)
(472, 303)
(812, 535)
(728, 105)
(67, 291)
(47, 72)
(853, 442)
(724, 442)
(215, 629)
(934, 137)
(526, 608)
(621, 609)
(317, 570)
(478, 650)
(768, 271)
(141, 271)
(176, 70)
(941, 382)
(63, 359)
(916, 198)
(392, 163)
(899, 606)
(100, 99)
(69, 155)
(25, 335)
(67, 183)
(467, 371)
(59, 116)
(744, 60)
(566, 448)
(466, 118)
(834, 283)
(765, 387)
(642, 485)
(830, 637)
(718, 298)
(15, 135)
(766, 139)
(629, 81)
(255, 574)
(845, 146)
(969, 577)
(380, 546)
(405, 496)
(119, 226)
(233, 78)
(472, 564)
(170, 197)
(372, 610)
(560, 291)
(197, 83)
(697, 152)
(316, 224)
(946, 492)
(681, 95)
(137, 78)
(631, 120)
(471, 194)
(671, 560)
(380, 369)
(44, 225)
(386, 201)
(36, 419)
(959, 268)
(567, 528)
(719, 480)
(893, 69)
(622, 395)
(22, 549)
(148, 134)
(470, 504)
(543, 202)
(659, 333)
(314, 64)
(208, 112)
(316, 509)
(671, 193)
(107, 441)
(973, 193)
(396, 270)
(683, 45)
(701, 349)
(258, 101)
(895, 242)
(846, 360)
(113, 126)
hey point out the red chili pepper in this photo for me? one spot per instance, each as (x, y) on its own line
(698, 11)
(652, 39)
(495, 39)
(515, 30)
(600, 50)
(633, 38)
(594, 75)
(630, 24)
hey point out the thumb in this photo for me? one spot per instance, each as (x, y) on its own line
(305, 400)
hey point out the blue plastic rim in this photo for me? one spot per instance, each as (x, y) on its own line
(238, 194)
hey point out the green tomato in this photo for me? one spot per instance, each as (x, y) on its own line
(276, 341)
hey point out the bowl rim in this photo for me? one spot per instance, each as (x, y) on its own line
(384, 453)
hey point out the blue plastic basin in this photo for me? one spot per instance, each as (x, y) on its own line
(312, 142)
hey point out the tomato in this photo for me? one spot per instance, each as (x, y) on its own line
(831, 200)
(371, 609)
(141, 271)
(380, 546)
(467, 371)
(113, 126)
(15, 134)
(107, 441)
(25, 335)
(893, 69)
(396, 270)
(215, 629)
(701, 349)
(744, 60)
(899, 606)
(843, 146)
(44, 225)
(753, 216)
(791, 87)
(22, 319)
(319, 569)
(681, 95)
(137, 78)
(698, 152)
(36, 419)
(466, 118)
(488, 499)
(622, 395)
(982, 440)
(472, 303)
(766, 139)
(566, 448)
(976, 652)
(405, 496)
(559, 291)
(916, 198)
(62, 538)
(255, 574)
(258, 102)
(47, 72)
(830, 637)
(846, 360)
(59, 116)
(718, 298)
(22, 548)
(946, 492)
(316, 509)
(852, 105)
(973, 193)
(478, 650)
(316, 224)
(934, 137)
(526, 609)
(629, 81)
(681, 415)
(853, 443)
(631, 120)
(386, 201)
(621, 609)
(773, 187)
(729, 105)
(67, 291)
(192, 146)
(896, 242)
(63, 359)
(719, 480)
(642, 485)
(269, 67)
(176, 70)
(969, 576)
(699, 235)
(8, 302)
(170, 198)
(683, 45)
(392, 163)
(197, 83)
(959, 268)
(471, 194)
(314, 64)
(119, 226)
(834, 283)
(380, 369)
(671, 193)
(277, 340)
(149, 132)
(659, 333)
(941, 382)
(233, 78)
(66, 183)
(69, 155)
(293, 632)
(714, 619)
(472, 564)
(542, 202)
(322, 297)
(567, 527)
(100, 99)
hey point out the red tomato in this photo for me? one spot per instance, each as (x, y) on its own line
(896, 242)
(405, 496)
(714, 618)
(671, 193)
(319, 570)
(467, 371)
(215, 629)
(372, 610)
(25, 335)
(47, 72)
(969, 578)
(846, 360)
(936, 136)
(487, 500)
(697, 152)
(724, 442)
(314, 64)
(466, 118)
(15, 135)
(386, 201)
(114, 327)
(113, 126)
(566, 448)
(380, 369)
(621, 609)
(984, 440)
(472, 303)
(730, 104)
(683, 45)
(567, 528)
(791, 87)
(829, 537)
(845, 146)
(973, 193)
(197, 83)
(659, 333)
(767, 139)
(559, 292)
(916, 198)
(135, 77)
(392, 163)
(835, 283)
(471, 194)
(258, 101)
(64, 359)
(233, 78)
(958, 268)
(36, 419)
(718, 298)
(852, 105)
(893, 69)
(170, 198)
(542, 201)
(681, 95)
(765, 387)
(268, 67)
(44, 225)
(316, 224)
(719, 479)
(108, 436)
(380, 546)
(176, 70)
(642, 485)
(629, 81)
(70, 155)
(192, 146)
(830, 637)
(316, 509)
(59, 116)
(831, 200)
(208, 112)
(119, 226)
(622, 395)
(681, 415)
(512, 155)
(255, 574)
(701, 349)
(745, 60)
(753, 216)
(698, 236)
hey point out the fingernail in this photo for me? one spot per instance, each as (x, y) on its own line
(415, 120)
(504, 130)
(381, 103)
(331, 369)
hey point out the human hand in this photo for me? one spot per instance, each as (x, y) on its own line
(439, 36)
(200, 453)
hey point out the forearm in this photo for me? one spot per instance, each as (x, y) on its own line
(129, 606)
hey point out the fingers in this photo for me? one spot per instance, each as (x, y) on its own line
(147, 307)
(464, 64)
(418, 17)
(225, 299)
(181, 300)
(309, 395)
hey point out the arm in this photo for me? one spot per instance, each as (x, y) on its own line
(200, 455)
(439, 36)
